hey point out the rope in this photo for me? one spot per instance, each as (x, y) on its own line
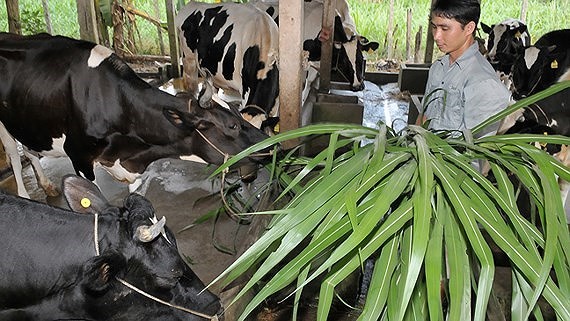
(134, 288)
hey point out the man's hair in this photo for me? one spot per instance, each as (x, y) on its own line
(463, 11)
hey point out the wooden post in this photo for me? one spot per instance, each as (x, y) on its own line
(13, 11)
(524, 7)
(428, 57)
(173, 39)
(47, 16)
(87, 18)
(418, 45)
(159, 28)
(290, 69)
(326, 46)
(409, 35)
(390, 32)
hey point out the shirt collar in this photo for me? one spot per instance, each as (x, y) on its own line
(444, 60)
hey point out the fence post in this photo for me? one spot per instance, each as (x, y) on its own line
(429, 39)
(47, 17)
(173, 39)
(390, 33)
(13, 10)
(408, 34)
(86, 17)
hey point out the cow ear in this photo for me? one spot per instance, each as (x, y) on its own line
(485, 28)
(180, 119)
(83, 196)
(100, 271)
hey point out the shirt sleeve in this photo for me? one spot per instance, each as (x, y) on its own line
(484, 99)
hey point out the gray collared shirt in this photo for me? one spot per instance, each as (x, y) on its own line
(465, 93)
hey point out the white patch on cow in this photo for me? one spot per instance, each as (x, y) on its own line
(351, 47)
(509, 121)
(56, 148)
(173, 86)
(216, 98)
(119, 172)
(565, 76)
(498, 31)
(530, 56)
(98, 54)
(193, 158)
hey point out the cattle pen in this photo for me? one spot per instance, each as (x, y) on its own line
(509, 267)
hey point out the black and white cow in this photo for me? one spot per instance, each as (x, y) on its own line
(67, 97)
(347, 57)
(542, 64)
(63, 265)
(506, 40)
(238, 44)
(213, 35)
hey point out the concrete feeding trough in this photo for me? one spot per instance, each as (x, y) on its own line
(413, 77)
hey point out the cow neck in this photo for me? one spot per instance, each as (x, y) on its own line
(139, 291)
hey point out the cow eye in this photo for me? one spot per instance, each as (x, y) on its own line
(234, 126)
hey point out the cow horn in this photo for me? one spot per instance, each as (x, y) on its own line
(147, 233)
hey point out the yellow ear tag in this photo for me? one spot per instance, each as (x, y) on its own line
(276, 128)
(518, 34)
(85, 202)
(554, 64)
(370, 51)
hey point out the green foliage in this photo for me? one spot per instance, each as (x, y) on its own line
(415, 204)
(32, 20)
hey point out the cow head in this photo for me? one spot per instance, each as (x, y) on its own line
(530, 68)
(347, 57)
(215, 132)
(506, 40)
(141, 251)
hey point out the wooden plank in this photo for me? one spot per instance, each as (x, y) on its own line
(87, 19)
(290, 69)
(14, 23)
(173, 39)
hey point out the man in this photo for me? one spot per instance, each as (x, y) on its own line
(464, 88)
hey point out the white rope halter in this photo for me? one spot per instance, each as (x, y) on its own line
(134, 288)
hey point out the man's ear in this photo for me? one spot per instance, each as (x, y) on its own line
(470, 27)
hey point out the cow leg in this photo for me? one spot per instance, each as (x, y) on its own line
(48, 186)
(13, 158)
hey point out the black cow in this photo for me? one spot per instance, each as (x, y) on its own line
(63, 265)
(67, 97)
(505, 42)
(543, 64)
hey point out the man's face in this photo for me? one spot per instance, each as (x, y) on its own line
(450, 36)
